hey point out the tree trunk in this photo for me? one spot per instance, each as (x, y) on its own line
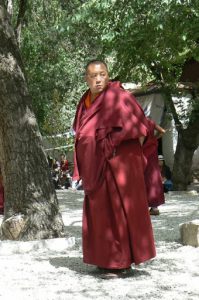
(20, 18)
(10, 7)
(187, 143)
(31, 206)
(183, 157)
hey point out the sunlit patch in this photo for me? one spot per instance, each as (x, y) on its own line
(121, 178)
(9, 65)
(29, 118)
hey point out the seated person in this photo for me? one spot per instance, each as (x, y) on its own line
(166, 174)
(65, 178)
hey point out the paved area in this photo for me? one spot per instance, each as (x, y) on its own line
(52, 270)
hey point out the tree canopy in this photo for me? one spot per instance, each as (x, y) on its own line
(144, 39)
(54, 62)
(141, 41)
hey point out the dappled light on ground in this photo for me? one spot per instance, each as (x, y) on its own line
(59, 274)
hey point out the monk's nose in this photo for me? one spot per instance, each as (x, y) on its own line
(98, 78)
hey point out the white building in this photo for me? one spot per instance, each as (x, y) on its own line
(154, 107)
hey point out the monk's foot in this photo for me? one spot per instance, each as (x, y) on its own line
(154, 211)
(114, 273)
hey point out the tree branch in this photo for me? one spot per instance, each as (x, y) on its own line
(9, 6)
(169, 101)
(20, 18)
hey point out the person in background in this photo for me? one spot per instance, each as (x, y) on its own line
(1, 194)
(65, 179)
(166, 175)
(153, 178)
(77, 185)
(110, 128)
(63, 163)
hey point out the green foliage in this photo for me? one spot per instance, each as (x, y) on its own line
(141, 40)
(54, 68)
(148, 39)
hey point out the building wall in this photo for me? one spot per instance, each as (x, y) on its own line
(154, 107)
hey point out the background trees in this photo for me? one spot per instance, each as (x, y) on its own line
(31, 207)
(54, 59)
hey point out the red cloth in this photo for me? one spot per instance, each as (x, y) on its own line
(114, 116)
(117, 228)
(153, 178)
(75, 168)
(64, 165)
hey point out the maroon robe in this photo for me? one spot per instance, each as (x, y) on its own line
(117, 228)
(153, 178)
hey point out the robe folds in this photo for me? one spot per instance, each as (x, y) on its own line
(153, 178)
(117, 229)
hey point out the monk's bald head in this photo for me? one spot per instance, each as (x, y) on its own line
(95, 62)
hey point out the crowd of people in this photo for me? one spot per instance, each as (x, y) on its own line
(61, 172)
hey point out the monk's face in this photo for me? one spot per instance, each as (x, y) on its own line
(97, 78)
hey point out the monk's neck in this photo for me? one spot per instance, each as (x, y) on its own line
(93, 96)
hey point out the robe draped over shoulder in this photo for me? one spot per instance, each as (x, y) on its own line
(115, 116)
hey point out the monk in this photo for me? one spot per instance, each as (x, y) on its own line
(110, 128)
(153, 178)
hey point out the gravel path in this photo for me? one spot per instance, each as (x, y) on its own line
(53, 269)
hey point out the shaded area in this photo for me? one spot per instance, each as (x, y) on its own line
(76, 264)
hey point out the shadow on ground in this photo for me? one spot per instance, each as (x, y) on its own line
(76, 264)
